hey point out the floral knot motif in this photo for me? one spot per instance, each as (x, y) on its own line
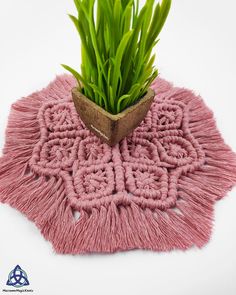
(145, 166)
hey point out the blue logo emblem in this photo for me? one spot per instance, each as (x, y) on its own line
(17, 278)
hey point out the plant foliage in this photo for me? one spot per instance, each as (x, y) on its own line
(117, 40)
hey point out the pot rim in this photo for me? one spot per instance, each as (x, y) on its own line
(114, 117)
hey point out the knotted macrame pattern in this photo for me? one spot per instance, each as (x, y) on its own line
(154, 190)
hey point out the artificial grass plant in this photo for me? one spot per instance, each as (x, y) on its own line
(117, 40)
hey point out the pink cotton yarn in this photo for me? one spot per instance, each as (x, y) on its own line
(154, 190)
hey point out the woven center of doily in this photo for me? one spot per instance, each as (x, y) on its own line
(144, 168)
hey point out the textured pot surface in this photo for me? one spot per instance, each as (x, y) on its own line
(111, 128)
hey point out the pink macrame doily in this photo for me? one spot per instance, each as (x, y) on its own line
(155, 190)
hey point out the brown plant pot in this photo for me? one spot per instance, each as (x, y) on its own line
(111, 128)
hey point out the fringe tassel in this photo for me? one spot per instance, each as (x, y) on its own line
(118, 228)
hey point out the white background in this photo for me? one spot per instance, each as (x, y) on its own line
(197, 50)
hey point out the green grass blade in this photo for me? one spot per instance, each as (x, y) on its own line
(126, 18)
(101, 94)
(159, 22)
(118, 59)
(130, 52)
(120, 100)
(78, 77)
(117, 12)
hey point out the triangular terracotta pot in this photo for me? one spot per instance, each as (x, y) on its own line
(111, 128)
